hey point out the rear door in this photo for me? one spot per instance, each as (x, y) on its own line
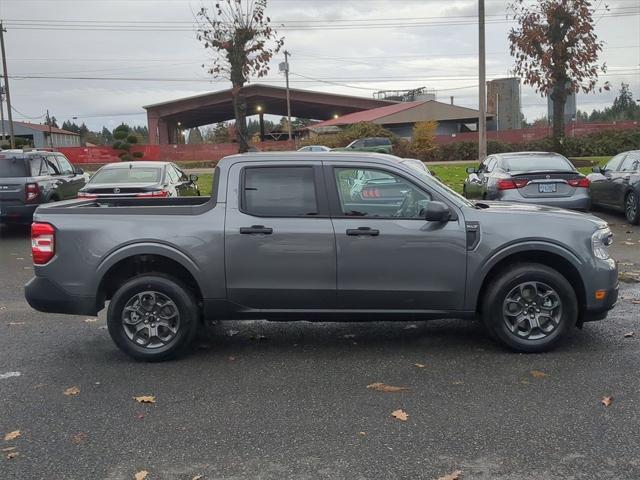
(622, 178)
(389, 257)
(73, 181)
(279, 242)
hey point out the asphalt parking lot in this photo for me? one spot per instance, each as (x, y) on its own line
(259, 400)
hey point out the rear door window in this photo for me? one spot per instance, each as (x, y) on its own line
(38, 167)
(279, 191)
(12, 167)
(630, 163)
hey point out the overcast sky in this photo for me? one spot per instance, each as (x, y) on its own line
(349, 43)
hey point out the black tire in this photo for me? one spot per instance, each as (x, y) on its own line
(182, 299)
(632, 208)
(508, 281)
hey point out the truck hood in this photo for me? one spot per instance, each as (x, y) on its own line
(526, 209)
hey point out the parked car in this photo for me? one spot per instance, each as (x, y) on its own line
(373, 144)
(30, 178)
(282, 238)
(529, 177)
(140, 179)
(617, 185)
(314, 148)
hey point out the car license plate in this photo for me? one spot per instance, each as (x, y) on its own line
(547, 187)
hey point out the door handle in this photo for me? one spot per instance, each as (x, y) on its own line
(256, 229)
(363, 231)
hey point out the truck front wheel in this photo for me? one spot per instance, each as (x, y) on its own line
(529, 307)
(152, 317)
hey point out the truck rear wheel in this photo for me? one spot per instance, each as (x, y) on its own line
(529, 307)
(153, 317)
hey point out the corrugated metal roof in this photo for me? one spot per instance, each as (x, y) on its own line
(45, 128)
(369, 115)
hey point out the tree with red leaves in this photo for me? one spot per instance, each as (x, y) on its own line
(556, 51)
(243, 43)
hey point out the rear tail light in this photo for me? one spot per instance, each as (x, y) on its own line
(42, 242)
(579, 182)
(157, 193)
(31, 192)
(508, 184)
(371, 193)
(86, 195)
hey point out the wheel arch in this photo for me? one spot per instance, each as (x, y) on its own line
(133, 260)
(550, 255)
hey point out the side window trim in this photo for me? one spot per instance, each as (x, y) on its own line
(318, 184)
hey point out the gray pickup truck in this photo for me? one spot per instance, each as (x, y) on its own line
(285, 236)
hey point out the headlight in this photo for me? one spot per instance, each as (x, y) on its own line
(600, 242)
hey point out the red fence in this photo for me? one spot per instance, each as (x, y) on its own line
(170, 153)
(528, 134)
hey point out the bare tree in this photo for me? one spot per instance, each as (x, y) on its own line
(242, 42)
(556, 51)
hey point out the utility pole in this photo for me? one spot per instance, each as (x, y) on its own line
(2, 112)
(49, 123)
(482, 121)
(6, 85)
(286, 74)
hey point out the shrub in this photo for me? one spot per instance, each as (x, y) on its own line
(423, 142)
(132, 138)
(137, 154)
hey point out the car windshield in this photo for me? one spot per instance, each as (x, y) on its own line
(538, 162)
(127, 175)
(12, 167)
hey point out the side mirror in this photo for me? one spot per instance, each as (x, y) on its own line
(437, 212)
(471, 170)
(193, 177)
(78, 171)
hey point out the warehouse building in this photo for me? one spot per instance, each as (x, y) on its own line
(41, 136)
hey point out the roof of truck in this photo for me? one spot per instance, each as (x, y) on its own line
(296, 156)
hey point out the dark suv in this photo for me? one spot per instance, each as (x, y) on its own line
(29, 178)
(372, 144)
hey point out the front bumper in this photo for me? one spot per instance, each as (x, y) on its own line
(602, 278)
(47, 296)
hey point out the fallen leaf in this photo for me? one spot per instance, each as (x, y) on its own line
(71, 391)
(15, 323)
(457, 382)
(145, 399)
(90, 320)
(400, 415)
(141, 475)
(381, 387)
(79, 437)
(198, 477)
(362, 434)
(140, 416)
(8, 449)
(628, 335)
(606, 401)
(419, 365)
(11, 455)
(457, 475)
(635, 302)
(538, 374)
(12, 435)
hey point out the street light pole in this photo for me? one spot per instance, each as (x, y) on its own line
(482, 121)
(6, 85)
(286, 74)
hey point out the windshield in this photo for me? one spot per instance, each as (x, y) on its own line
(12, 167)
(128, 175)
(532, 163)
(429, 178)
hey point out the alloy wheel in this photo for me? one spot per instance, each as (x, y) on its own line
(631, 207)
(532, 310)
(150, 319)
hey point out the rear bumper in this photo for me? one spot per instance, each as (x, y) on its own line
(575, 202)
(47, 296)
(16, 213)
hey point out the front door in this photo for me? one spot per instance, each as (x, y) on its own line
(389, 257)
(279, 240)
